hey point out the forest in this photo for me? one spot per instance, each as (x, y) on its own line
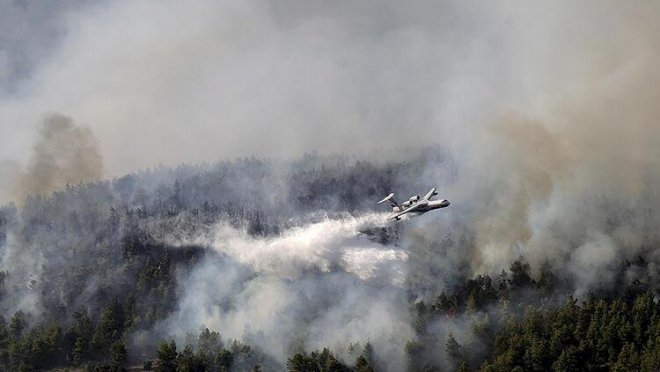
(91, 280)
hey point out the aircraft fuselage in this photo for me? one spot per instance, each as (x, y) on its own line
(415, 205)
(431, 205)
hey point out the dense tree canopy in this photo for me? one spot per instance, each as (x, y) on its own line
(100, 233)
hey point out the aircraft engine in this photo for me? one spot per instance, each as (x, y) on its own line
(407, 204)
(414, 198)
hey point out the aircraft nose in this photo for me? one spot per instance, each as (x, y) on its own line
(447, 202)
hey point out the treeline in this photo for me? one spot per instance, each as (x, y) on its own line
(207, 352)
(92, 271)
(100, 343)
(102, 231)
(517, 323)
(210, 355)
(90, 243)
(596, 335)
(511, 323)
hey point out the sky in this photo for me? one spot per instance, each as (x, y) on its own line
(167, 82)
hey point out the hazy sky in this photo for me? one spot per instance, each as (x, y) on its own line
(173, 81)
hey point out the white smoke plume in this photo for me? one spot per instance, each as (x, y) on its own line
(323, 246)
(317, 285)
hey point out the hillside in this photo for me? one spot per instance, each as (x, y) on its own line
(262, 264)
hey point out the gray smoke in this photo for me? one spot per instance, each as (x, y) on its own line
(318, 285)
(581, 174)
(547, 111)
(340, 77)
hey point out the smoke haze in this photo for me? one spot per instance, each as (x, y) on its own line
(229, 79)
(315, 285)
(65, 154)
(544, 114)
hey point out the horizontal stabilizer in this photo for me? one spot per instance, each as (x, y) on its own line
(388, 197)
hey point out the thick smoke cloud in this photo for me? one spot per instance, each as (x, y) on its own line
(230, 79)
(547, 111)
(581, 173)
(318, 285)
(29, 33)
(65, 154)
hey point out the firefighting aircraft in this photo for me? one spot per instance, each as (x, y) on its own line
(415, 206)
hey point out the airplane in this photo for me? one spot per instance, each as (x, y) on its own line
(415, 206)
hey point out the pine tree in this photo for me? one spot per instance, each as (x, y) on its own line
(118, 353)
(567, 361)
(463, 367)
(301, 362)
(650, 358)
(167, 356)
(363, 365)
(628, 359)
(79, 350)
(453, 350)
(185, 361)
(17, 324)
(224, 360)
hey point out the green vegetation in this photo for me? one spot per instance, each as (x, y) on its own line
(102, 278)
(509, 333)
(595, 335)
(517, 324)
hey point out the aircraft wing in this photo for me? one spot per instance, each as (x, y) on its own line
(411, 209)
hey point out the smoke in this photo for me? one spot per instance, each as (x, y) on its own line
(317, 285)
(29, 34)
(582, 171)
(65, 154)
(546, 110)
(323, 246)
(594, 264)
(334, 78)
(566, 176)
